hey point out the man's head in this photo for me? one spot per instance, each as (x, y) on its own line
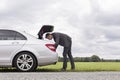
(49, 36)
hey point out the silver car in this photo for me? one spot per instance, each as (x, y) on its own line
(25, 52)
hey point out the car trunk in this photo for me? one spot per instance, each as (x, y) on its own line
(45, 29)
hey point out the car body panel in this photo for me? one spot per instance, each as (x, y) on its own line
(7, 49)
(10, 48)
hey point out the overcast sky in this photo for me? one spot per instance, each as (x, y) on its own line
(94, 25)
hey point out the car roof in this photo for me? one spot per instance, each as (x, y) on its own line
(21, 31)
(12, 29)
(8, 29)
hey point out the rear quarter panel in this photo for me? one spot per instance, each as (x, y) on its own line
(43, 54)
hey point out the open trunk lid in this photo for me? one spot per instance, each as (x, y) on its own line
(44, 29)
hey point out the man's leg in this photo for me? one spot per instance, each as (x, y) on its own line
(71, 57)
(65, 58)
(71, 60)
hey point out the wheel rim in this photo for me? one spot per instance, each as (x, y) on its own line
(25, 62)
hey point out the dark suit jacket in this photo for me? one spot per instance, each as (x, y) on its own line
(61, 39)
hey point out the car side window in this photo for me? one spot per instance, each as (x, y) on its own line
(20, 36)
(7, 35)
(11, 35)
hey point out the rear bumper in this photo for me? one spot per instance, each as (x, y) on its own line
(47, 60)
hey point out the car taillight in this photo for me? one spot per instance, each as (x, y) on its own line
(51, 47)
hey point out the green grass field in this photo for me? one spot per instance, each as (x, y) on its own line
(84, 66)
(80, 67)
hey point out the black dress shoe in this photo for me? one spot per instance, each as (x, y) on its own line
(73, 69)
(63, 69)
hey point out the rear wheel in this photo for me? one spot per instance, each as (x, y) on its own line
(25, 62)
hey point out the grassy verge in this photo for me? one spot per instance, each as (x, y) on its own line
(80, 67)
(84, 66)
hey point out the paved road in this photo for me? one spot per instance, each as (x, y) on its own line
(60, 76)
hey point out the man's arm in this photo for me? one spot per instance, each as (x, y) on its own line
(57, 39)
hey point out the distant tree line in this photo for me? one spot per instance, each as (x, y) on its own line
(93, 58)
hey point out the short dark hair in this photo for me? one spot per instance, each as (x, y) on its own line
(47, 35)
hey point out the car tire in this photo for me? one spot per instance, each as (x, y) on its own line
(25, 62)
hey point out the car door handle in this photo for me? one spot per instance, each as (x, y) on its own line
(14, 43)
